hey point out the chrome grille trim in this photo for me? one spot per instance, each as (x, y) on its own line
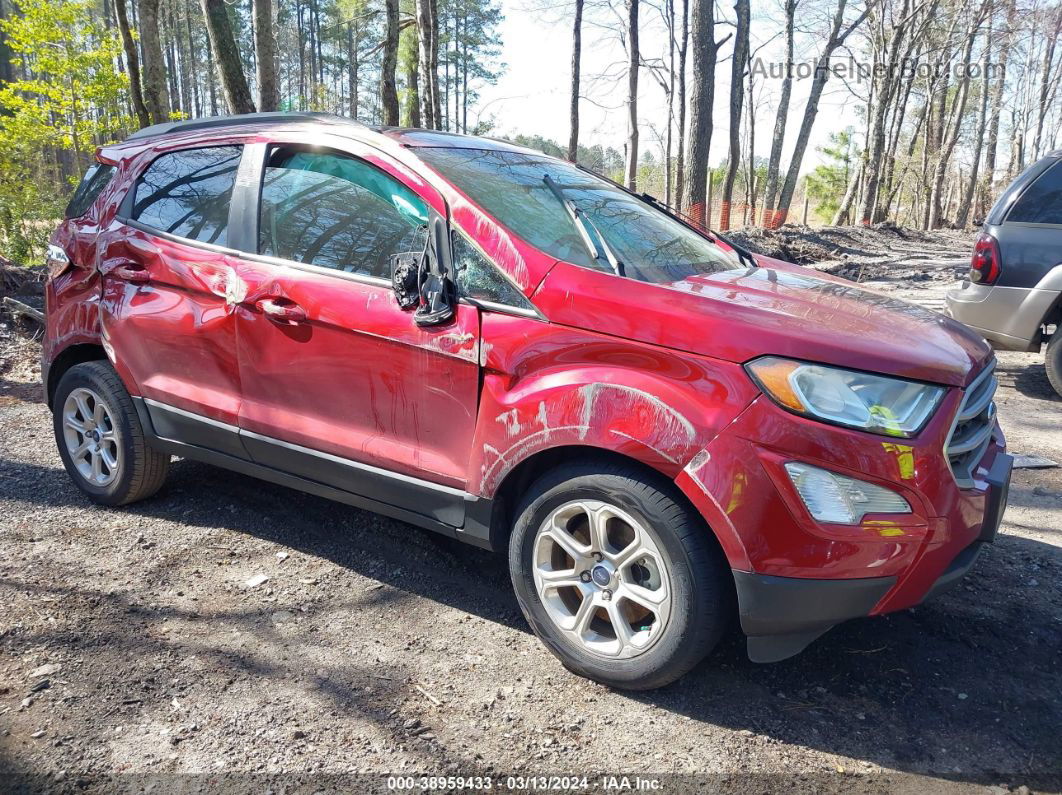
(971, 432)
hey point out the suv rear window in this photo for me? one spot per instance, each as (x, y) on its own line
(187, 193)
(90, 187)
(1041, 203)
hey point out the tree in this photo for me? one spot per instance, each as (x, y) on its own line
(132, 63)
(429, 75)
(265, 55)
(156, 92)
(573, 104)
(223, 45)
(705, 47)
(737, 93)
(774, 162)
(632, 94)
(388, 81)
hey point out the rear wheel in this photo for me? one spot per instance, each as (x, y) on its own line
(1053, 360)
(617, 576)
(100, 438)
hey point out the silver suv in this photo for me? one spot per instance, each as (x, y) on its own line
(1012, 295)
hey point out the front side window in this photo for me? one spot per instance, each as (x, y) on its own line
(1041, 203)
(90, 187)
(187, 193)
(477, 278)
(511, 186)
(339, 212)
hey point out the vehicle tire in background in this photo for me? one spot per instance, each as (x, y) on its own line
(101, 440)
(617, 575)
(1053, 360)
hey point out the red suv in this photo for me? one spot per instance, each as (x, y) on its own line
(661, 428)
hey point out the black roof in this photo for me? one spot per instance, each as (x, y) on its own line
(243, 118)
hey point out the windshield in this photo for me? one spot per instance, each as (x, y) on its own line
(652, 246)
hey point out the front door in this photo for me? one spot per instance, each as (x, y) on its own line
(339, 384)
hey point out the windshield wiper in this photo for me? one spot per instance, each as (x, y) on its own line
(599, 248)
(743, 254)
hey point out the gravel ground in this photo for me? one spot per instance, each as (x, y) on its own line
(135, 656)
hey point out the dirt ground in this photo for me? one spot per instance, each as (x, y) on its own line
(135, 657)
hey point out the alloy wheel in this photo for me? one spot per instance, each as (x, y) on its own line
(91, 441)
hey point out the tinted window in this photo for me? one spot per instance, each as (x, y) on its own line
(651, 245)
(478, 278)
(1041, 203)
(337, 212)
(91, 186)
(187, 193)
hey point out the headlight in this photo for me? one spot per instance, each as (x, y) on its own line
(874, 403)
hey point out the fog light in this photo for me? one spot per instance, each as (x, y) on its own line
(841, 500)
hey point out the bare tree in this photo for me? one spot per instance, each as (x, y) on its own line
(774, 163)
(265, 52)
(573, 104)
(737, 93)
(680, 154)
(695, 180)
(156, 93)
(631, 169)
(132, 62)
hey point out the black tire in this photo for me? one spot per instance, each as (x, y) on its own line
(1053, 360)
(141, 469)
(702, 585)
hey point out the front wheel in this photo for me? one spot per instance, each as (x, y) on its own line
(100, 438)
(617, 575)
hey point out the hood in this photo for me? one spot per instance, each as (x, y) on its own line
(786, 310)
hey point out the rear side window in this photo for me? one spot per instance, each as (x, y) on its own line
(90, 187)
(1041, 203)
(337, 212)
(187, 193)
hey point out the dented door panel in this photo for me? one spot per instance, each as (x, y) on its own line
(169, 308)
(358, 379)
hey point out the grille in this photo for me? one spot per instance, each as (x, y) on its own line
(974, 424)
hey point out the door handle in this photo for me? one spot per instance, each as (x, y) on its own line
(281, 310)
(132, 272)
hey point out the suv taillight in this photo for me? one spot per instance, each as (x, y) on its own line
(986, 264)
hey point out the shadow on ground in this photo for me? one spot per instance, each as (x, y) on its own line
(973, 676)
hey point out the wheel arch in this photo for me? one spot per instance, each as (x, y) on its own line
(69, 357)
(518, 479)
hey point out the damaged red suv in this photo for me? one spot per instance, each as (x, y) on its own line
(662, 429)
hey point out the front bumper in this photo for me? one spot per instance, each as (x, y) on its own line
(782, 615)
(795, 577)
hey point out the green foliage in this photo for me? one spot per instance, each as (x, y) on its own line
(826, 185)
(69, 100)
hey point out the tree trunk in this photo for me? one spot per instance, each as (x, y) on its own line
(433, 75)
(388, 83)
(427, 103)
(1047, 85)
(233, 81)
(737, 94)
(632, 94)
(265, 53)
(988, 180)
(680, 154)
(811, 108)
(695, 179)
(573, 105)
(963, 213)
(132, 62)
(156, 94)
(774, 164)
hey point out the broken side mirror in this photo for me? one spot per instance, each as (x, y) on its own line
(425, 280)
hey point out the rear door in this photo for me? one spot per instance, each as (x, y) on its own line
(339, 384)
(1030, 239)
(168, 305)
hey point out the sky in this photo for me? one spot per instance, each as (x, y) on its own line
(531, 97)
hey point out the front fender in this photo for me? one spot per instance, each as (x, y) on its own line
(547, 386)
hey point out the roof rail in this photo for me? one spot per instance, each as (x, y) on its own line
(242, 118)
